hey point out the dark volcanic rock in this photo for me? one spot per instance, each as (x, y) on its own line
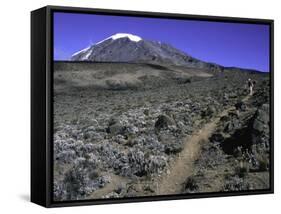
(217, 137)
(209, 111)
(174, 147)
(241, 106)
(231, 125)
(191, 185)
(116, 128)
(163, 121)
(261, 126)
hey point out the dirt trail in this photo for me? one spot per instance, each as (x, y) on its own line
(182, 167)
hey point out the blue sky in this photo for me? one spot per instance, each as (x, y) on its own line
(228, 44)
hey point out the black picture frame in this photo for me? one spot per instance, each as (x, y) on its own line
(42, 104)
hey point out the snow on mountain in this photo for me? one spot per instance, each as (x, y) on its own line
(132, 37)
(81, 51)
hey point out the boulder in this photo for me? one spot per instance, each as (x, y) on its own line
(115, 126)
(241, 106)
(217, 137)
(209, 111)
(163, 121)
(263, 113)
(231, 125)
(224, 118)
(191, 185)
(261, 126)
(173, 148)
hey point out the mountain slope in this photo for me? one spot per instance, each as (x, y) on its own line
(123, 47)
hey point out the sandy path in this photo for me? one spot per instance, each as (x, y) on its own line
(182, 167)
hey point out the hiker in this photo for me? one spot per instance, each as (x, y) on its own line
(251, 84)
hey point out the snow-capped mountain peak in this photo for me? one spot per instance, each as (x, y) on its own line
(132, 37)
(125, 47)
(87, 51)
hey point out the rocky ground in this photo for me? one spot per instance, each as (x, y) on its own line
(122, 134)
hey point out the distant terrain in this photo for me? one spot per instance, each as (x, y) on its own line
(140, 118)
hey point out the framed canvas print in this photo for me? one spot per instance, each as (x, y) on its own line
(138, 106)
